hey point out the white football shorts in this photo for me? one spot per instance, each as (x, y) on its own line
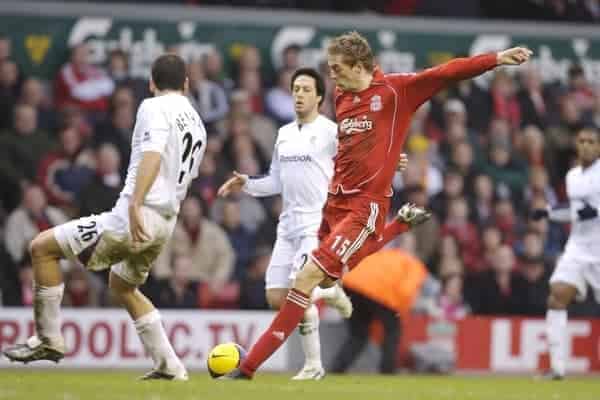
(103, 241)
(579, 273)
(288, 257)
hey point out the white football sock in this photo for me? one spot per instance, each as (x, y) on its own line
(556, 333)
(46, 311)
(323, 293)
(309, 337)
(155, 341)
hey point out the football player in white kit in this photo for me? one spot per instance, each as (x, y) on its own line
(579, 265)
(168, 143)
(301, 168)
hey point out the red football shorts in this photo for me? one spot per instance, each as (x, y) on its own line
(350, 229)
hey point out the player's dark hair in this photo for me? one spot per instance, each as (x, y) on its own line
(319, 82)
(169, 72)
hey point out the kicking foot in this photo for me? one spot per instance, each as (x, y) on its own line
(34, 350)
(236, 374)
(166, 376)
(310, 373)
(340, 301)
(412, 215)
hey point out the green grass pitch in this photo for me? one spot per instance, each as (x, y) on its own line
(72, 385)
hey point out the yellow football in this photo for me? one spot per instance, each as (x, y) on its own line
(224, 358)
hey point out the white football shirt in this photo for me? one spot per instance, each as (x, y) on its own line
(169, 125)
(583, 186)
(301, 168)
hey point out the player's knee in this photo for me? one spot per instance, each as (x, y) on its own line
(116, 292)
(274, 304)
(276, 298)
(559, 297)
(119, 288)
(37, 247)
(553, 303)
(308, 278)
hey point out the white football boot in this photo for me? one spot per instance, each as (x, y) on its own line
(310, 373)
(412, 215)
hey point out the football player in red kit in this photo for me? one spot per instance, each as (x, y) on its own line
(373, 111)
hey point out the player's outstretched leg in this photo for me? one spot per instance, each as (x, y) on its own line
(285, 321)
(308, 331)
(146, 319)
(408, 216)
(47, 343)
(561, 295)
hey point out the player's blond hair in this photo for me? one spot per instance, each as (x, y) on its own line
(354, 49)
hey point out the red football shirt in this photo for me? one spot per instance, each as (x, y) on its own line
(372, 123)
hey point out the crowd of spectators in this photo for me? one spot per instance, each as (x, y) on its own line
(480, 158)
(548, 10)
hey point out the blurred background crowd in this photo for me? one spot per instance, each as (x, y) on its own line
(480, 158)
(553, 10)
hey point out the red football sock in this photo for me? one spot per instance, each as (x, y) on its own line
(286, 320)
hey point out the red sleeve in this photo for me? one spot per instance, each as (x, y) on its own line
(422, 86)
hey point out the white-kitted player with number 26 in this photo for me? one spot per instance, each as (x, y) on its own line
(167, 146)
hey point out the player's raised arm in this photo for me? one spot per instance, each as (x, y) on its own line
(423, 85)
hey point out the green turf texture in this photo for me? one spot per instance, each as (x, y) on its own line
(71, 385)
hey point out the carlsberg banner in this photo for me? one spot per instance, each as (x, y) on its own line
(41, 44)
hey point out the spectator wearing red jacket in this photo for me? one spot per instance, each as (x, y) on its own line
(81, 84)
(466, 234)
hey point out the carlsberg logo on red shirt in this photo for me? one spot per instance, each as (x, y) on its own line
(356, 125)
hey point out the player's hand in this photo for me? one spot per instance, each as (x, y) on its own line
(233, 185)
(402, 162)
(136, 225)
(587, 212)
(514, 56)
